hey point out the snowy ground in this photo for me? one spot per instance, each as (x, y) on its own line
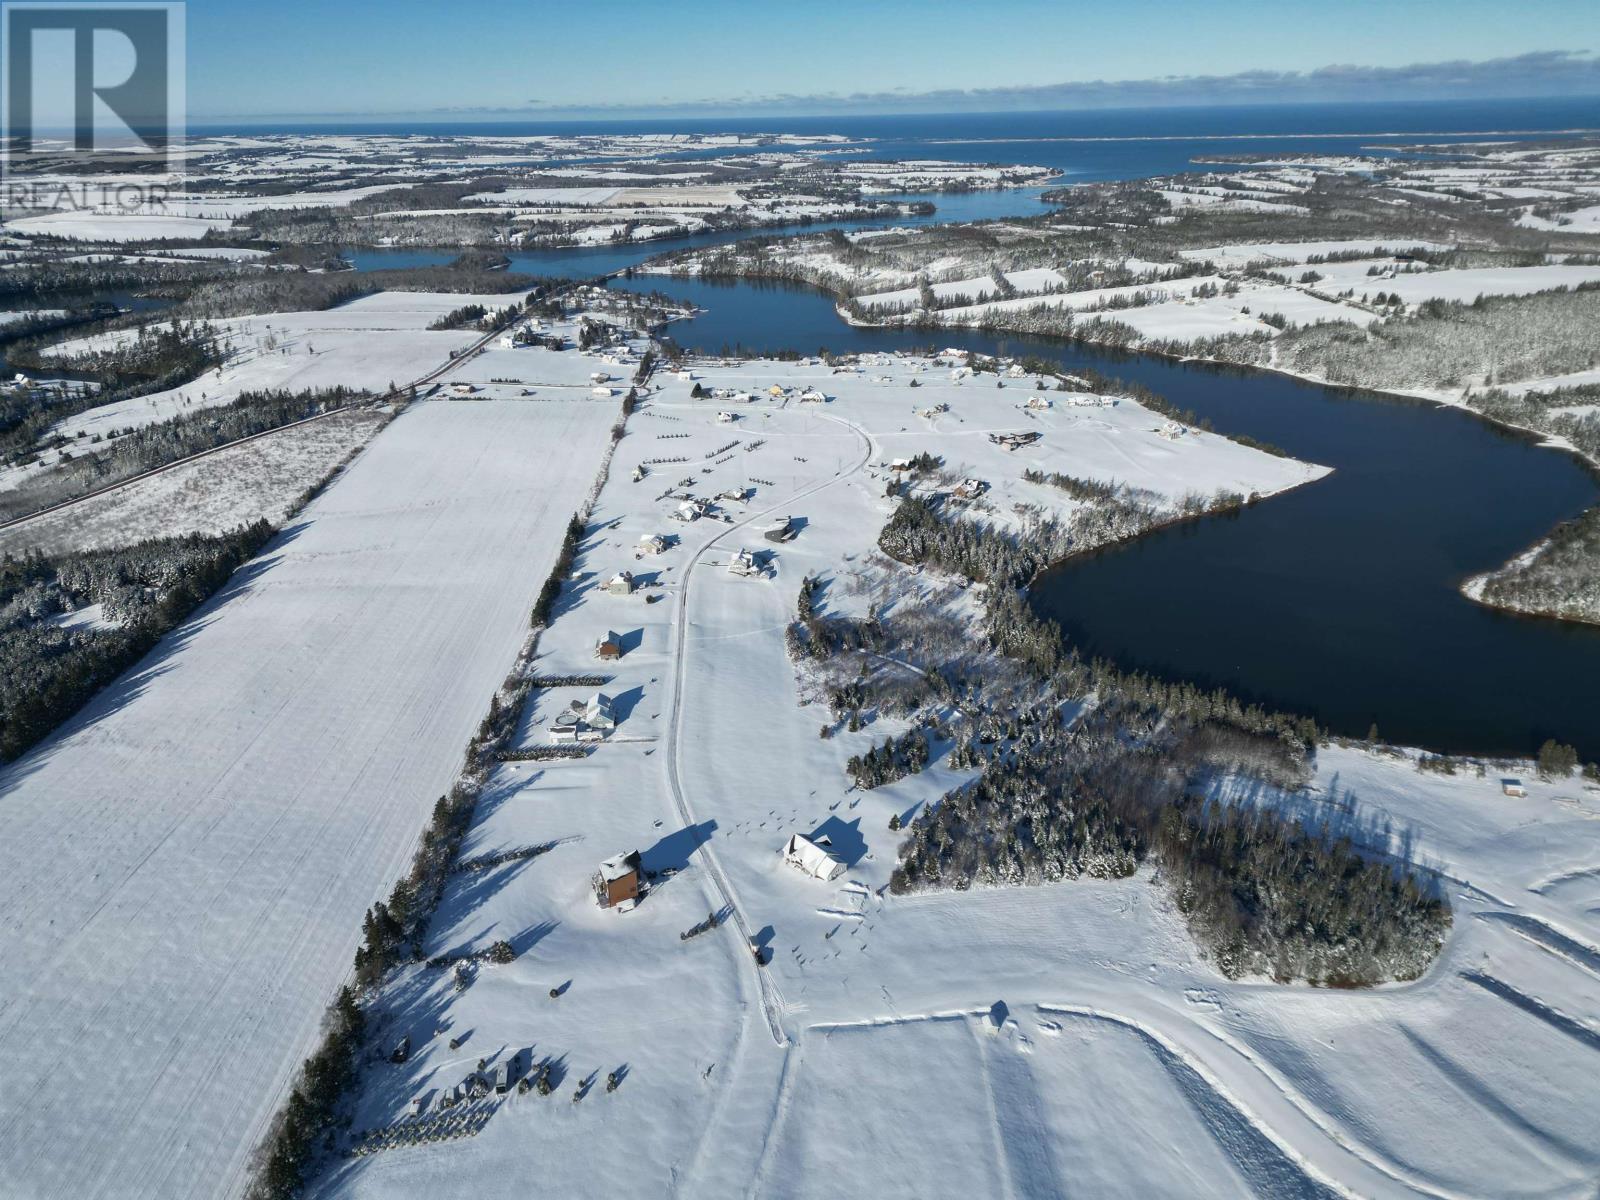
(370, 343)
(870, 1044)
(184, 868)
(262, 478)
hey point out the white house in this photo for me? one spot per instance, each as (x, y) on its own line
(1039, 403)
(508, 341)
(686, 376)
(805, 855)
(598, 713)
(960, 373)
(743, 563)
(727, 417)
(620, 584)
(602, 391)
(652, 543)
(812, 396)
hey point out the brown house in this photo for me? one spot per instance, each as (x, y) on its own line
(618, 881)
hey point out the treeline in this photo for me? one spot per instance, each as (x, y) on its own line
(476, 316)
(1560, 578)
(53, 666)
(1262, 894)
(145, 447)
(312, 291)
(1450, 344)
(159, 356)
(544, 605)
(895, 759)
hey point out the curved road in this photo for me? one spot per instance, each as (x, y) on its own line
(771, 999)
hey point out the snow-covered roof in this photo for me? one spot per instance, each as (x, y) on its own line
(811, 858)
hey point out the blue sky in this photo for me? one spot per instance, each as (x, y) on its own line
(405, 57)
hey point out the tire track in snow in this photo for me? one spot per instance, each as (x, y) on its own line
(772, 1003)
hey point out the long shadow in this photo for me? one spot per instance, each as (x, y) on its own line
(844, 839)
(623, 703)
(672, 852)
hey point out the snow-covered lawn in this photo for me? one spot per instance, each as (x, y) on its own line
(184, 868)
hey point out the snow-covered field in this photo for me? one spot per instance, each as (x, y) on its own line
(368, 343)
(259, 479)
(184, 868)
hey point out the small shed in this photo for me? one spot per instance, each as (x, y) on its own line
(1513, 787)
(620, 584)
(686, 376)
(602, 390)
(813, 396)
(616, 883)
(811, 857)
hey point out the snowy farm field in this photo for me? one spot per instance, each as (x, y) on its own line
(186, 864)
(368, 343)
(261, 478)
